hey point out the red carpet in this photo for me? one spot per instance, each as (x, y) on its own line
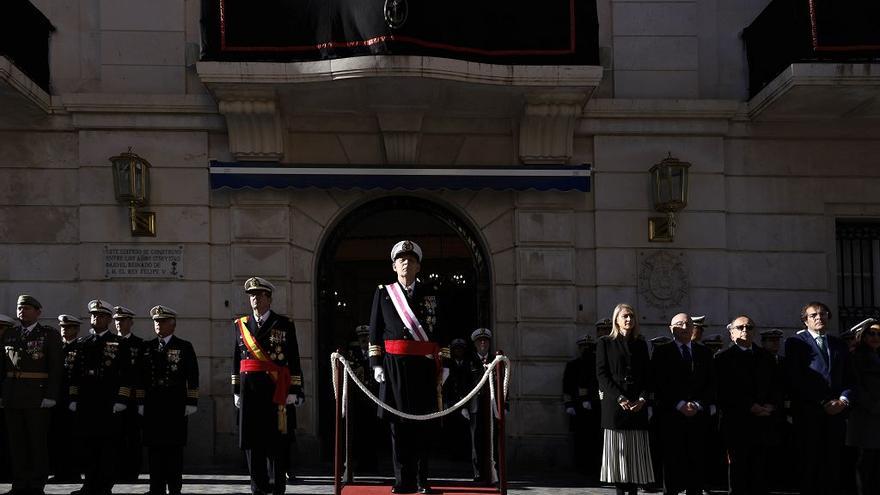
(356, 489)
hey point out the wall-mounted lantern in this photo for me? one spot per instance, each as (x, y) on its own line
(131, 181)
(669, 185)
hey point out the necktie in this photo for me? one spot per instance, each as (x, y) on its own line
(820, 341)
(686, 354)
(161, 345)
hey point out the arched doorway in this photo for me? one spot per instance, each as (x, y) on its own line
(355, 258)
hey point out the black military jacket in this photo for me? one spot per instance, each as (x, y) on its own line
(136, 350)
(32, 366)
(258, 417)
(168, 381)
(68, 350)
(101, 377)
(417, 392)
(579, 383)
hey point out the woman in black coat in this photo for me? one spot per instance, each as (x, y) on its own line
(622, 371)
(863, 425)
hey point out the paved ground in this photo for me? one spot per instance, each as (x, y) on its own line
(323, 485)
(319, 485)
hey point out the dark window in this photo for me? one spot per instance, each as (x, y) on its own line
(858, 271)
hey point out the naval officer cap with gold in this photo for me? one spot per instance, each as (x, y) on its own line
(99, 306)
(68, 321)
(121, 313)
(162, 313)
(255, 284)
(481, 333)
(406, 247)
(6, 321)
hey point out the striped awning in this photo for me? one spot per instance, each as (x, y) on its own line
(237, 175)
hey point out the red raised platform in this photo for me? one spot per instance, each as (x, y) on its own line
(462, 489)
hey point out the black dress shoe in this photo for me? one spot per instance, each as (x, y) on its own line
(402, 489)
(427, 490)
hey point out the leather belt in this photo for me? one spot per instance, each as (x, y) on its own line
(30, 375)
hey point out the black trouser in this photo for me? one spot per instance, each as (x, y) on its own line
(684, 453)
(63, 457)
(746, 469)
(166, 469)
(130, 447)
(868, 471)
(480, 445)
(819, 440)
(409, 452)
(99, 457)
(28, 431)
(625, 489)
(268, 467)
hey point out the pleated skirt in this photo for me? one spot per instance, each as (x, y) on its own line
(626, 457)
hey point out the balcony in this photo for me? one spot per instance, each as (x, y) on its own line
(400, 60)
(24, 57)
(814, 59)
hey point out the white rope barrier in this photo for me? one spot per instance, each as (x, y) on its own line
(336, 359)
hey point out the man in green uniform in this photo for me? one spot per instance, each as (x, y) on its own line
(30, 375)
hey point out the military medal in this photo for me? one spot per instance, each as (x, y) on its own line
(108, 363)
(281, 356)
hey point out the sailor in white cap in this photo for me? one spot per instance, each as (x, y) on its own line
(31, 372)
(168, 393)
(406, 350)
(130, 446)
(581, 392)
(480, 410)
(62, 441)
(265, 347)
(700, 324)
(100, 388)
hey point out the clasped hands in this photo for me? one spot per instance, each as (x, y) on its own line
(631, 405)
(689, 409)
(834, 407)
(762, 410)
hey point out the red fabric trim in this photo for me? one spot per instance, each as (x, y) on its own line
(280, 374)
(384, 38)
(411, 347)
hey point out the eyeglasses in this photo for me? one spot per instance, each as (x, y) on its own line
(744, 328)
(680, 324)
(822, 314)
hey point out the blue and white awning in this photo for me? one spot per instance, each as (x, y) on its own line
(237, 175)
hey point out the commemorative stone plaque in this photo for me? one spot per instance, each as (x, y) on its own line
(143, 261)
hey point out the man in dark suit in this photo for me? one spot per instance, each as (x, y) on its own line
(581, 391)
(750, 399)
(819, 377)
(100, 389)
(684, 389)
(406, 353)
(130, 446)
(266, 379)
(167, 394)
(62, 451)
(30, 375)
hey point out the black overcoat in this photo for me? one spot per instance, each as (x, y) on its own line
(258, 416)
(169, 382)
(745, 378)
(410, 381)
(622, 371)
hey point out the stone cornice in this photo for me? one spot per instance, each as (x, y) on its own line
(19, 83)
(398, 66)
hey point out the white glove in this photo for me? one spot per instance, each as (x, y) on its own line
(570, 411)
(118, 408)
(379, 374)
(140, 410)
(187, 410)
(72, 406)
(47, 403)
(445, 376)
(236, 399)
(587, 405)
(298, 401)
(650, 412)
(290, 399)
(465, 413)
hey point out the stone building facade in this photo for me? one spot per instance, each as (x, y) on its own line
(770, 177)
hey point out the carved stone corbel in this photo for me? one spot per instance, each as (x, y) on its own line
(254, 126)
(402, 135)
(546, 130)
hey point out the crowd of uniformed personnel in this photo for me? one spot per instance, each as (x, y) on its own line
(742, 411)
(80, 407)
